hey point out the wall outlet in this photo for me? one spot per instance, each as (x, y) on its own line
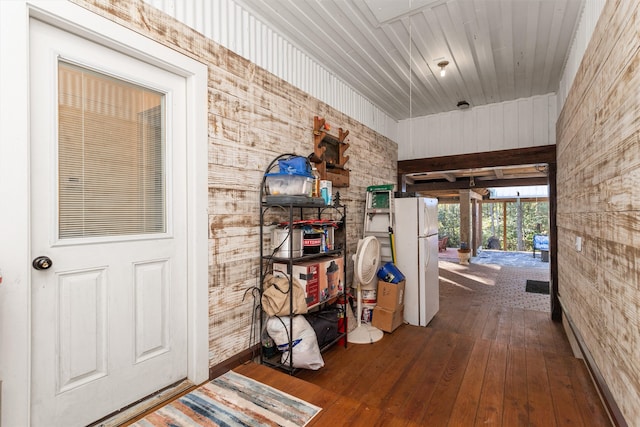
(578, 244)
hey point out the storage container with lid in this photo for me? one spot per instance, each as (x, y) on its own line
(281, 184)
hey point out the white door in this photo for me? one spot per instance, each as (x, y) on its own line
(407, 229)
(108, 196)
(428, 216)
(429, 289)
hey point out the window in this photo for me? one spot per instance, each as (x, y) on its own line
(111, 156)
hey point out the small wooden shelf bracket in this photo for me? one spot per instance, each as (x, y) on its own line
(329, 153)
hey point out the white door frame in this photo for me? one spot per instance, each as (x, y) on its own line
(15, 251)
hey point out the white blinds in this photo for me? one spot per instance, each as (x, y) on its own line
(111, 156)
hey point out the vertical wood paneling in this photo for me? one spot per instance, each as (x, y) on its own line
(541, 121)
(229, 24)
(469, 143)
(497, 139)
(526, 122)
(553, 116)
(510, 132)
(483, 127)
(586, 25)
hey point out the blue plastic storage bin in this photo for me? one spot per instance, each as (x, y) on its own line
(390, 273)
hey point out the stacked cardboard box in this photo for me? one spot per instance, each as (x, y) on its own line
(389, 311)
(321, 278)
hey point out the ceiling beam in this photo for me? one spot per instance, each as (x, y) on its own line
(464, 184)
(449, 177)
(488, 159)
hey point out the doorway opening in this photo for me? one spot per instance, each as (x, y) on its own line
(470, 184)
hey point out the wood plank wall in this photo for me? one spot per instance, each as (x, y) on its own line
(598, 199)
(253, 117)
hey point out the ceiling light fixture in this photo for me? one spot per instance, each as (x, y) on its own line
(442, 65)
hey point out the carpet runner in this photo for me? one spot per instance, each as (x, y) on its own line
(233, 400)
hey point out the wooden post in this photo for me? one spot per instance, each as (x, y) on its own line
(473, 244)
(504, 226)
(478, 228)
(519, 242)
(556, 309)
(476, 222)
(465, 216)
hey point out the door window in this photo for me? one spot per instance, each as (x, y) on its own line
(111, 156)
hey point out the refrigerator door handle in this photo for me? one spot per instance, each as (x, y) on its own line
(428, 259)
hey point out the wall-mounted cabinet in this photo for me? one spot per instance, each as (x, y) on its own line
(329, 153)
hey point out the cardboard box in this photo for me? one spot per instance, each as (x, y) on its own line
(322, 278)
(387, 320)
(308, 275)
(390, 295)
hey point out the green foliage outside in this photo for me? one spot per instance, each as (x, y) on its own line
(535, 220)
(449, 223)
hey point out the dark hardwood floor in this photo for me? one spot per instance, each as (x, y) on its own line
(475, 364)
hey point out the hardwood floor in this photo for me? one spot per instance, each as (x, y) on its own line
(475, 364)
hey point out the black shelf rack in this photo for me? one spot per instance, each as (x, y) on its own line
(297, 209)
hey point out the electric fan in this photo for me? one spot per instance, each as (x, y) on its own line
(365, 266)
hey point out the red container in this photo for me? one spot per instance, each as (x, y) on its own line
(312, 243)
(342, 322)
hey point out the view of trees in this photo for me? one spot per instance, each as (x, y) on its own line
(524, 219)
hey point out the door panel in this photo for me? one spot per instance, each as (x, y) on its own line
(108, 196)
(82, 302)
(429, 216)
(151, 307)
(429, 277)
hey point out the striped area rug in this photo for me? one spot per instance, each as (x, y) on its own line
(233, 400)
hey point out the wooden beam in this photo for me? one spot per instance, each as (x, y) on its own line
(449, 177)
(521, 156)
(474, 195)
(499, 173)
(464, 184)
(513, 199)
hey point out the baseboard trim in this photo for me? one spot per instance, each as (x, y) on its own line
(234, 361)
(615, 414)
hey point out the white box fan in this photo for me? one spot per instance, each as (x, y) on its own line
(366, 262)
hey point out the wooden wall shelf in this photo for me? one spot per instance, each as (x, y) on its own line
(329, 156)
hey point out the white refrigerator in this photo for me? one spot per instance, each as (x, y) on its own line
(416, 242)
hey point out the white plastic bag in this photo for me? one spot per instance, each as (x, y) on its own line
(305, 350)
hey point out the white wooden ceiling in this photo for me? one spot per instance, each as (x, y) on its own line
(498, 50)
